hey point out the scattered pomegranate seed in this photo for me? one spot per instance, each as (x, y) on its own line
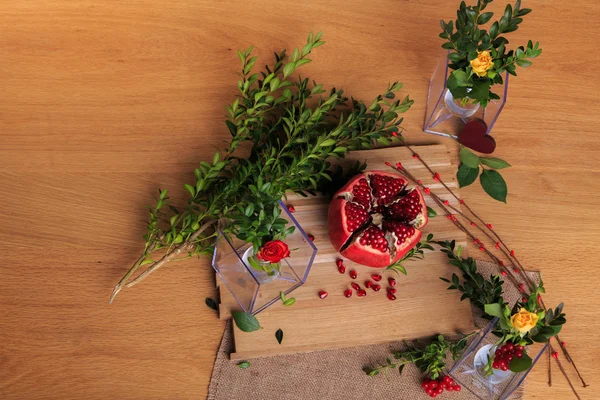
(323, 294)
(368, 284)
(555, 355)
(392, 290)
(392, 281)
(436, 176)
(512, 253)
(342, 269)
(446, 202)
(522, 288)
(376, 277)
(355, 286)
(415, 155)
(489, 226)
(311, 237)
(361, 293)
(376, 288)
(339, 262)
(348, 293)
(353, 274)
(291, 208)
(504, 273)
(399, 165)
(497, 245)
(426, 190)
(391, 296)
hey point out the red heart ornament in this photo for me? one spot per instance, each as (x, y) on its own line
(474, 137)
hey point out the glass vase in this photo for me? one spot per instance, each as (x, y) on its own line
(254, 288)
(447, 116)
(469, 370)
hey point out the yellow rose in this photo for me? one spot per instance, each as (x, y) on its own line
(482, 63)
(524, 321)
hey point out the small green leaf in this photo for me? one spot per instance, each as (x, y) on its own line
(466, 175)
(520, 364)
(289, 302)
(495, 310)
(431, 213)
(279, 335)
(494, 185)
(484, 18)
(190, 189)
(245, 322)
(244, 364)
(493, 162)
(282, 296)
(328, 142)
(469, 158)
(211, 303)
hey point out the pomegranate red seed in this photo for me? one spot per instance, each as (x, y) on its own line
(376, 277)
(415, 155)
(405, 209)
(512, 253)
(361, 293)
(426, 190)
(342, 269)
(311, 237)
(473, 224)
(555, 355)
(376, 287)
(392, 290)
(291, 208)
(392, 281)
(348, 293)
(339, 262)
(391, 296)
(497, 245)
(355, 286)
(504, 273)
(368, 284)
(446, 202)
(323, 294)
(353, 274)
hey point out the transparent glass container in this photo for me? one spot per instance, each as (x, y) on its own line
(255, 290)
(468, 371)
(446, 116)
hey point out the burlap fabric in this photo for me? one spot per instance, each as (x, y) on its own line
(331, 374)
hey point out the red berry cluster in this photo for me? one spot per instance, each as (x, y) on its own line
(434, 388)
(505, 354)
(369, 284)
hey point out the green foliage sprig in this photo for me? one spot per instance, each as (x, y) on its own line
(491, 180)
(466, 39)
(416, 253)
(430, 359)
(292, 128)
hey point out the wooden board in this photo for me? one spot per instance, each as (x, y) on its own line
(423, 306)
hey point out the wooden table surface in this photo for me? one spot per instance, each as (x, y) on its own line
(103, 102)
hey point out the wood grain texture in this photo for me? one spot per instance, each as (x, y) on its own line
(102, 102)
(314, 324)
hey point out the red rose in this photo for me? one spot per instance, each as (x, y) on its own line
(273, 251)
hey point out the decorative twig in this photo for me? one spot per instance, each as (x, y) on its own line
(551, 350)
(549, 367)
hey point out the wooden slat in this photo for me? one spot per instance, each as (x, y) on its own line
(314, 324)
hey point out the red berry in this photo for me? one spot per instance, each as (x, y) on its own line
(311, 237)
(482, 248)
(392, 290)
(353, 274)
(555, 355)
(376, 277)
(524, 300)
(497, 245)
(355, 286)
(539, 298)
(420, 182)
(504, 367)
(391, 296)
(522, 288)
(456, 388)
(291, 208)
(498, 353)
(509, 357)
(512, 253)
(503, 273)
(368, 284)
(489, 225)
(342, 269)
(510, 346)
(436, 176)
(323, 294)
(446, 202)
(399, 165)
(429, 391)
(425, 384)
(433, 384)
(501, 263)
(415, 155)
(495, 365)
(392, 281)
(427, 190)
(440, 390)
(389, 164)
(519, 347)
(518, 354)
(516, 270)
(348, 293)
(473, 224)
(462, 201)
(563, 344)
(376, 288)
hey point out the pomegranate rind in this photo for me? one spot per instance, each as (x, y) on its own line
(337, 222)
(366, 255)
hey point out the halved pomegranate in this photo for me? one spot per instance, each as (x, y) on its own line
(374, 220)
